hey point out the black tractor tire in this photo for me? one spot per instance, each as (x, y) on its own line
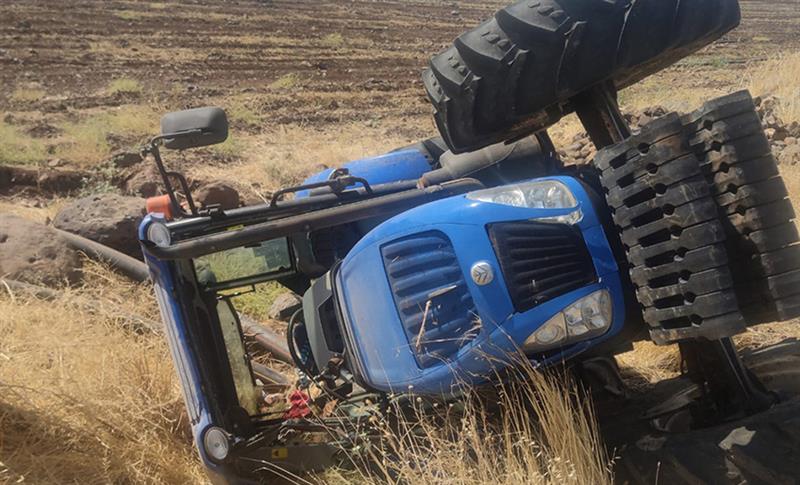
(760, 449)
(516, 73)
(762, 239)
(669, 225)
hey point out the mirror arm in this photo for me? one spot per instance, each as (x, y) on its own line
(152, 148)
(187, 193)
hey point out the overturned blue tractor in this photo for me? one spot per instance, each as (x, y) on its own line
(424, 269)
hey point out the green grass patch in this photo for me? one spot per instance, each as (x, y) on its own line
(129, 15)
(333, 40)
(233, 147)
(124, 86)
(238, 110)
(285, 82)
(86, 142)
(17, 148)
(27, 94)
(256, 304)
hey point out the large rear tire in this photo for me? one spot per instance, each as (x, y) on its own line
(515, 73)
(761, 449)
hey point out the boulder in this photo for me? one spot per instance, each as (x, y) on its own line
(284, 306)
(35, 253)
(217, 193)
(144, 181)
(110, 219)
(124, 159)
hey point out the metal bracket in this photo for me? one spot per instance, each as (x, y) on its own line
(599, 113)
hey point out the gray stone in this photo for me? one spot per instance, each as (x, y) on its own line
(144, 181)
(34, 253)
(217, 193)
(126, 159)
(110, 219)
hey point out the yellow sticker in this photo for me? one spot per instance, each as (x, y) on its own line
(235, 228)
(280, 453)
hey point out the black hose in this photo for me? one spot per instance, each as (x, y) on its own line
(130, 267)
(267, 374)
(294, 322)
(137, 271)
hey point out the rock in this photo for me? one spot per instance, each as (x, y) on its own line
(143, 182)
(780, 133)
(790, 140)
(110, 219)
(789, 155)
(34, 253)
(124, 159)
(217, 193)
(44, 130)
(284, 306)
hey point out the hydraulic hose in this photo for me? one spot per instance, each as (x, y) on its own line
(130, 267)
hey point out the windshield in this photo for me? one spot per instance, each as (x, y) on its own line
(245, 265)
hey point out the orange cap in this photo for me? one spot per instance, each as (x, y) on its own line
(159, 203)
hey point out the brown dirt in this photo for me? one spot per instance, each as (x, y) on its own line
(356, 60)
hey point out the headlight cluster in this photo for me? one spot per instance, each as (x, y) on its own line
(588, 317)
(158, 234)
(539, 194)
(216, 443)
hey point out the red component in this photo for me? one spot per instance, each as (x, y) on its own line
(161, 204)
(299, 401)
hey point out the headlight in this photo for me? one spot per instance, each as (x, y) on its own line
(158, 234)
(216, 443)
(588, 317)
(539, 194)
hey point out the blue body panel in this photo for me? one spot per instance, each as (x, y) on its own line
(407, 164)
(183, 357)
(382, 346)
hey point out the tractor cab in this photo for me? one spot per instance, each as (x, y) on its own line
(418, 269)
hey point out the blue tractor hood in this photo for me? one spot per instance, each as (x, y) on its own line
(416, 320)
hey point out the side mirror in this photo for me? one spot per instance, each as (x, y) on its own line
(193, 128)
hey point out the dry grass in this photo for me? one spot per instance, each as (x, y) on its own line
(779, 77)
(84, 400)
(536, 430)
(124, 86)
(28, 94)
(41, 213)
(285, 156)
(285, 82)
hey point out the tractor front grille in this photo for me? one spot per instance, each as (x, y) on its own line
(541, 261)
(431, 295)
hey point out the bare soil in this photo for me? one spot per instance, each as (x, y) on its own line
(353, 60)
